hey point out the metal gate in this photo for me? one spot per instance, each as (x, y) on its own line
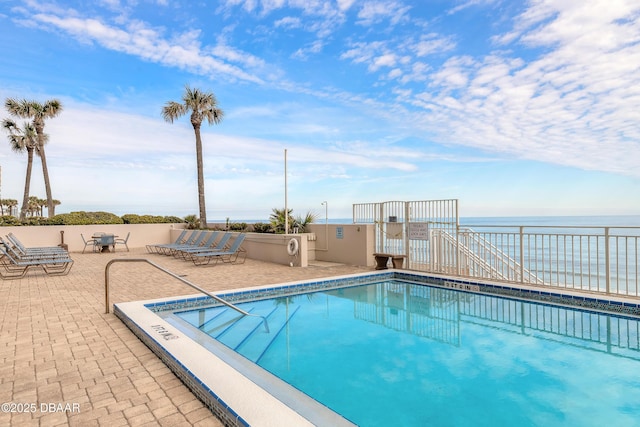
(424, 231)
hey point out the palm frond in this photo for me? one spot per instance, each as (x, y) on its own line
(18, 107)
(51, 108)
(214, 115)
(21, 139)
(172, 110)
(9, 125)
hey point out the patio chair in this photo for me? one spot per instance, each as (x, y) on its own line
(91, 242)
(22, 249)
(166, 249)
(16, 254)
(196, 242)
(123, 242)
(219, 247)
(206, 245)
(17, 268)
(153, 247)
(230, 255)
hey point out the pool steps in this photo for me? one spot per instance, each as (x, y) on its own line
(265, 348)
(239, 331)
(245, 334)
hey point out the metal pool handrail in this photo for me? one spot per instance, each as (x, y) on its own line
(186, 282)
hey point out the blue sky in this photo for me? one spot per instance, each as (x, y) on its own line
(512, 107)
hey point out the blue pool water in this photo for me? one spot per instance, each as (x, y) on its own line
(397, 353)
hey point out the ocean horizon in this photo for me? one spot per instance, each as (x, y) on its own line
(560, 220)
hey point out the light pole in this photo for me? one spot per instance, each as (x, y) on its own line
(326, 212)
(286, 205)
(326, 225)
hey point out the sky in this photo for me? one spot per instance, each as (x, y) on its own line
(515, 108)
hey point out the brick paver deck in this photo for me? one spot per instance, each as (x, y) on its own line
(65, 362)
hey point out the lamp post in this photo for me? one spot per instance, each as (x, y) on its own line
(286, 205)
(326, 224)
(326, 211)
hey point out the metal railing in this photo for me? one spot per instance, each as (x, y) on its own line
(175, 276)
(594, 259)
(602, 259)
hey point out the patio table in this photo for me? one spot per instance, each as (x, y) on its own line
(105, 240)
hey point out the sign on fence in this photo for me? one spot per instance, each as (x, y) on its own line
(419, 231)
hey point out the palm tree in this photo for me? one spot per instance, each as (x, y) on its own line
(302, 222)
(202, 105)
(9, 204)
(192, 222)
(38, 112)
(12, 205)
(23, 139)
(278, 220)
(36, 205)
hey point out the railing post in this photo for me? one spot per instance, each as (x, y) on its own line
(381, 229)
(458, 251)
(521, 254)
(407, 219)
(607, 261)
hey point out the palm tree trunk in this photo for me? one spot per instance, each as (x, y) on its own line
(47, 183)
(45, 170)
(200, 167)
(27, 185)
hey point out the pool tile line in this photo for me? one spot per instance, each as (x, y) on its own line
(272, 291)
(580, 301)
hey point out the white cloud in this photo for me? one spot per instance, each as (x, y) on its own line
(432, 43)
(374, 12)
(288, 22)
(139, 39)
(386, 60)
(306, 51)
(405, 53)
(573, 105)
(344, 5)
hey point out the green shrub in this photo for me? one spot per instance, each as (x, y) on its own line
(9, 220)
(238, 226)
(89, 218)
(260, 227)
(150, 219)
(193, 222)
(85, 218)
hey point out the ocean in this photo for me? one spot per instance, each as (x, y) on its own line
(569, 221)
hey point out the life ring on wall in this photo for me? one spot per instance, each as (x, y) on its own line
(292, 247)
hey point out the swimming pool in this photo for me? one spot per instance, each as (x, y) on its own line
(416, 354)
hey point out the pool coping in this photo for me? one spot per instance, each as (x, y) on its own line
(240, 401)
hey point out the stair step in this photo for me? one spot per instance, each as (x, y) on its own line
(217, 325)
(243, 329)
(255, 347)
(199, 318)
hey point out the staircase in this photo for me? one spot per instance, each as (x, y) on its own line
(493, 264)
(245, 335)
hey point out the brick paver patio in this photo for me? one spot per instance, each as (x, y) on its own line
(66, 362)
